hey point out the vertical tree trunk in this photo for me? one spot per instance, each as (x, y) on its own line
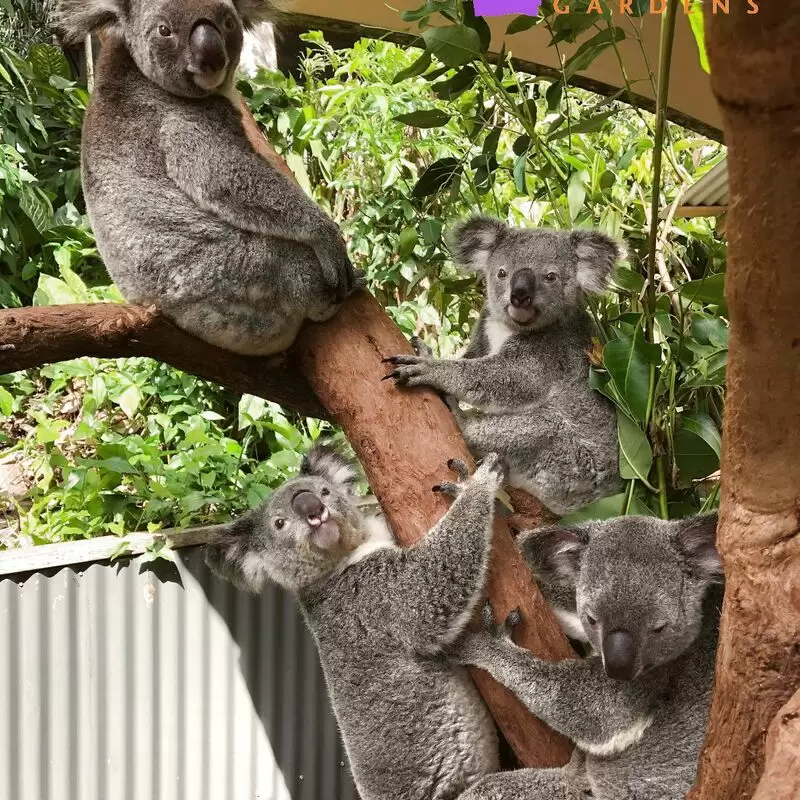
(404, 438)
(755, 65)
(781, 778)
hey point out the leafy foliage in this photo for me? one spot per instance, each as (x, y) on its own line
(397, 145)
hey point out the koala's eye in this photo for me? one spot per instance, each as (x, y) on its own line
(163, 30)
(551, 277)
(229, 23)
(501, 273)
(325, 492)
(591, 620)
(659, 628)
(280, 523)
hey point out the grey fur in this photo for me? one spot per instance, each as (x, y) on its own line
(187, 216)
(413, 725)
(529, 382)
(637, 739)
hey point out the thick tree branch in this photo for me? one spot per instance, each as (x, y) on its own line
(30, 337)
(781, 778)
(755, 69)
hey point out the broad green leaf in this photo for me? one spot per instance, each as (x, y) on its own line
(635, 453)
(129, 400)
(555, 92)
(36, 207)
(52, 291)
(407, 241)
(47, 61)
(628, 361)
(453, 45)
(709, 290)
(431, 230)
(628, 280)
(698, 446)
(522, 23)
(519, 173)
(588, 125)
(6, 402)
(590, 49)
(424, 118)
(459, 83)
(695, 17)
(606, 508)
(710, 330)
(436, 177)
(576, 192)
(419, 67)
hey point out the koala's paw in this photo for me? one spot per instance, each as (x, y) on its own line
(338, 271)
(420, 348)
(495, 629)
(491, 471)
(411, 370)
(454, 489)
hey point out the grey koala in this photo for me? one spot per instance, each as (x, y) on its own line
(647, 594)
(413, 725)
(187, 216)
(526, 368)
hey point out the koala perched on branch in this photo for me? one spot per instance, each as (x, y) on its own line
(526, 367)
(413, 725)
(187, 216)
(647, 595)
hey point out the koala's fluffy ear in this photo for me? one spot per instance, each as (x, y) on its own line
(230, 557)
(597, 254)
(473, 241)
(76, 19)
(254, 11)
(695, 540)
(554, 552)
(324, 461)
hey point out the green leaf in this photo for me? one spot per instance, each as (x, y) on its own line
(129, 400)
(590, 49)
(710, 290)
(628, 280)
(52, 291)
(6, 402)
(606, 508)
(453, 45)
(628, 361)
(407, 241)
(553, 95)
(419, 67)
(698, 446)
(36, 207)
(519, 173)
(588, 125)
(576, 192)
(436, 177)
(431, 230)
(47, 61)
(459, 83)
(697, 23)
(710, 330)
(522, 23)
(635, 453)
(424, 118)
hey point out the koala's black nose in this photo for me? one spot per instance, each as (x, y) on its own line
(523, 288)
(207, 48)
(308, 506)
(619, 655)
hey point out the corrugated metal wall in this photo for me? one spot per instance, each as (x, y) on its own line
(122, 684)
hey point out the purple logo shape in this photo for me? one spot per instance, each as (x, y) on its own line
(497, 8)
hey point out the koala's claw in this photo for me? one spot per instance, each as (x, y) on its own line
(446, 488)
(514, 618)
(493, 628)
(459, 467)
(411, 370)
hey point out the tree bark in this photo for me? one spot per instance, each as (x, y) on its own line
(755, 68)
(403, 438)
(781, 778)
(33, 336)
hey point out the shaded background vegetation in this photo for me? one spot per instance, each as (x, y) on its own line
(396, 144)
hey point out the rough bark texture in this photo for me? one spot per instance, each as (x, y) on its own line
(30, 337)
(755, 66)
(403, 438)
(781, 778)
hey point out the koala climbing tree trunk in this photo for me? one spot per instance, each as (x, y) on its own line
(402, 438)
(755, 74)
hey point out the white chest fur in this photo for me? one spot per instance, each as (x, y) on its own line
(497, 334)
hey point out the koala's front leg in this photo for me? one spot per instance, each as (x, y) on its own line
(574, 697)
(489, 381)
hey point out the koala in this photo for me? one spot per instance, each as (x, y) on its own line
(413, 725)
(647, 594)
(187, 216)
(525, 370)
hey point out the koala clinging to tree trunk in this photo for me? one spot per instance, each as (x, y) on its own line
(187, 216)
(526, 368)
(647, 594)
(414, 726)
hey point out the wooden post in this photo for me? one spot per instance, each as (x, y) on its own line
(755, 73)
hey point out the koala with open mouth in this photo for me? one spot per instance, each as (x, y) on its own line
(413, 725)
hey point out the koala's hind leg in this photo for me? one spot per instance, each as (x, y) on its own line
(544, 453)
(524, 784)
